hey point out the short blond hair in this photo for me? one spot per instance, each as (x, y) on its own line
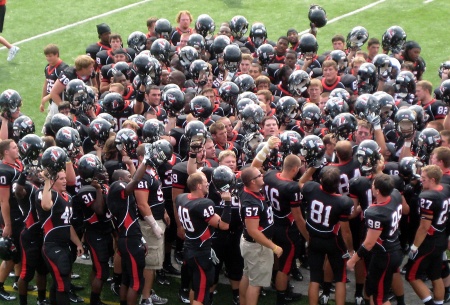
(433, 172)
(83, 62)
(226, 153)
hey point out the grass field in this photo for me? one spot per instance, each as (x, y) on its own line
(424, 22)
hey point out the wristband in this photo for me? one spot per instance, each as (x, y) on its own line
(193, 155)
(275, 249)
(140, 96)
(407, 144)
(377, 127)
(362, 251)
(414, 248)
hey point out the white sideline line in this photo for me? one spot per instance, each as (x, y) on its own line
(428, 1)
(78, 23)
(350, 14)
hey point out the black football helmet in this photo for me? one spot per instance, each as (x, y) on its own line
(312, 149)
(317, 15)
(388, 108)
(357, 37)
(113, 103)
(199, 70)
(159, 152)
(405, 84)
(251, 116)
(138, 119)
(99, 131)
(341, 93)
(258, 34)
(286, 109)
(366, 105)
(444, 89)
(173, 101)
(108, 118)
(187, 55)
(308, 45)
(54, 160)
(405, 122)
(298, 82)
(442, 67)
(249, 95)
(10, 101)
(367, 78)
(232, 57)
(343, 126)
(220, 43)
(160, 49)
(196, 132)
(245, 83)
(204, 25)
(333, 107)
(197, 41)
(340, 58)
(383, 65)
(137, 82)
(22, 126)
(155, 71)
(238, 26)
(90, 167)
(69, 139)
(311, 117)
(393, 39)
(408, 168)
(368, 154)
(152, 131)
(251, 141)
(141, 64)
(30, 148)
(223, 179)
(127, 139)
(242, 103)
(421, 116)
(163, 28)
(290, 142)
(122, 67)
(229, 92)
(76, 93)
(201, 107)
(8, 250)
(59, 121)
(137, 41)
(266, 54)
(427, 140)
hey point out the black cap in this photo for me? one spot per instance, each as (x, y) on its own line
(103, 28)
(120, 51)
(291, 31)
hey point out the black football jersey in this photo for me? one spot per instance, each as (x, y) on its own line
(283, 195)
(436, 110)
(335, 85)
(255, 206)
(152, 184)
(324, 210)
(391, 168)
(194, 215)
(350, 83)
(348, 170)
(52, 74)
(385, 217)
(180, 175)
(124, 210)
(435, 203)
(85, 197)
(8, 174)
(55, 222)
(165, 174)
(445, 178)
(361, 188)
(94, 48)
(28, 207)
(122, 116)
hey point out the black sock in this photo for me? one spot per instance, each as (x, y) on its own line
(167, 259)
(123, 303)
(326, 288)
(41, 295)
(95, 298)
(185, 279)
(400, 299)
(1, 284)
(16, 278)
(281, 295)
(235, 293)
(117, 278)
(23, 299)
(430, 302)
(211, 297)
(359, 290)
(447, 289)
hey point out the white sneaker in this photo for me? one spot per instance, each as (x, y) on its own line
(157, 300)
(13, 52)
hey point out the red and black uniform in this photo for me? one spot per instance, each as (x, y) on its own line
(106, 57)
(94, 48)
(328, 88)
(69, 73)
(9, 173)
(194, 215)
(97, 236)
(31, 237)
(348, 169)
(56, 250)
(122, 116)
(283, 194)
(436, 110)
(386, 254)
(433, 204)
(280, 91)
(52, 73)
(175, 36)
(107, 72)
(125, 216)
(324, 213)
(152, 184)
